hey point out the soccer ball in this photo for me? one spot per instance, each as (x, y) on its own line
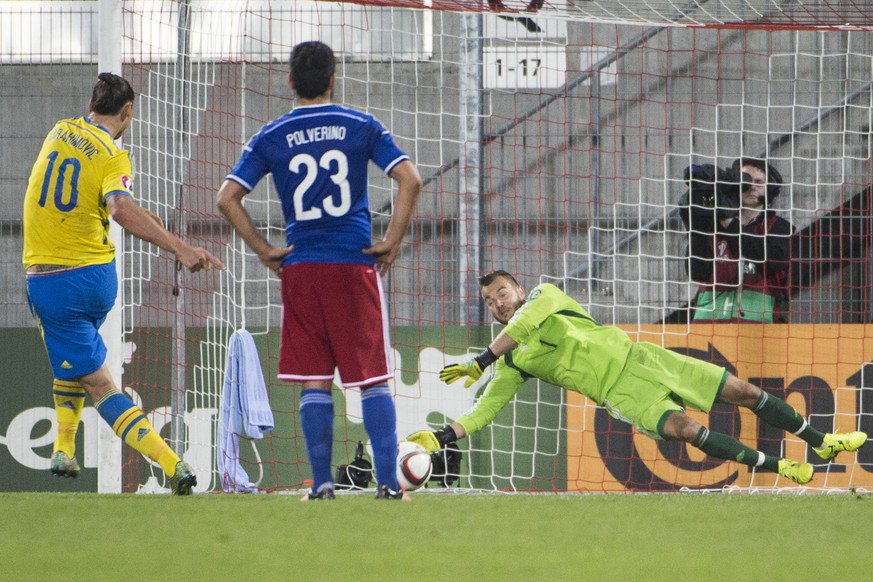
(413, 465)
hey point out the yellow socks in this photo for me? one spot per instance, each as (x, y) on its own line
(131, 424)
(69, 399)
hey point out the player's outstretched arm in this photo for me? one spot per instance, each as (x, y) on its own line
(144, 225)
(435, 440)
(408, 181)
(197, 258)
(470, 369)
(230, 205)
(473, 368)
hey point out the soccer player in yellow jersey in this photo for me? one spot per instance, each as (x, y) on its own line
(79, 180)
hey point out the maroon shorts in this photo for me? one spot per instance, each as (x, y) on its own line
(334, 318)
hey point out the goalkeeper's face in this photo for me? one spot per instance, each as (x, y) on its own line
(503, 298)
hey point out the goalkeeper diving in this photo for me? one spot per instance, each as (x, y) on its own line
(550, 336)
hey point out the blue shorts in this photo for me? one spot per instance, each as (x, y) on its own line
(69, 307)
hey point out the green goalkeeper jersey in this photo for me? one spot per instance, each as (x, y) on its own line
(558, 342)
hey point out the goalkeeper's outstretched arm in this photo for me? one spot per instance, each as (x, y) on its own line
(435, 440)
(508, 304)
(476, 366)
(500, 390)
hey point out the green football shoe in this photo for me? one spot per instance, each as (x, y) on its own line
(183, 480)
(800, 473)
(835, 443)
(64, 466)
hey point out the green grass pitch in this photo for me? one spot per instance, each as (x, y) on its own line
(438, 536)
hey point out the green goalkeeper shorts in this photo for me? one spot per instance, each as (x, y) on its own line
(657, 381)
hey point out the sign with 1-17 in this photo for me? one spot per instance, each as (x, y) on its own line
(523, 67)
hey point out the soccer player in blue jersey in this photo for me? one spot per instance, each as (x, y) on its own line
(80, 179)
(550, 336)
(334, 316)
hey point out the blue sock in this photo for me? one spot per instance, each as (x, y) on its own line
(380, 420)
(316, 417)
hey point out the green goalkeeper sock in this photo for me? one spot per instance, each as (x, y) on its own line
(722, 446)
(776, 412)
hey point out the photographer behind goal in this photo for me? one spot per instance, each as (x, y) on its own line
(739, 249)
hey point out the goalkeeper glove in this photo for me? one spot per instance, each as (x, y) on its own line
(433, 441)
(471, 368)
(426, 439)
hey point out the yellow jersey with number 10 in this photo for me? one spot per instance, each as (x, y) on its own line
(66, 221)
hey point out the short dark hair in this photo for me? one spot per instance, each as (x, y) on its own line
(489, 278)
(111, 94)
(774, 178)
(312, 65)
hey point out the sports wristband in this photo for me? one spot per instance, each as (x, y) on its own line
(486, 358)
(446, 435)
